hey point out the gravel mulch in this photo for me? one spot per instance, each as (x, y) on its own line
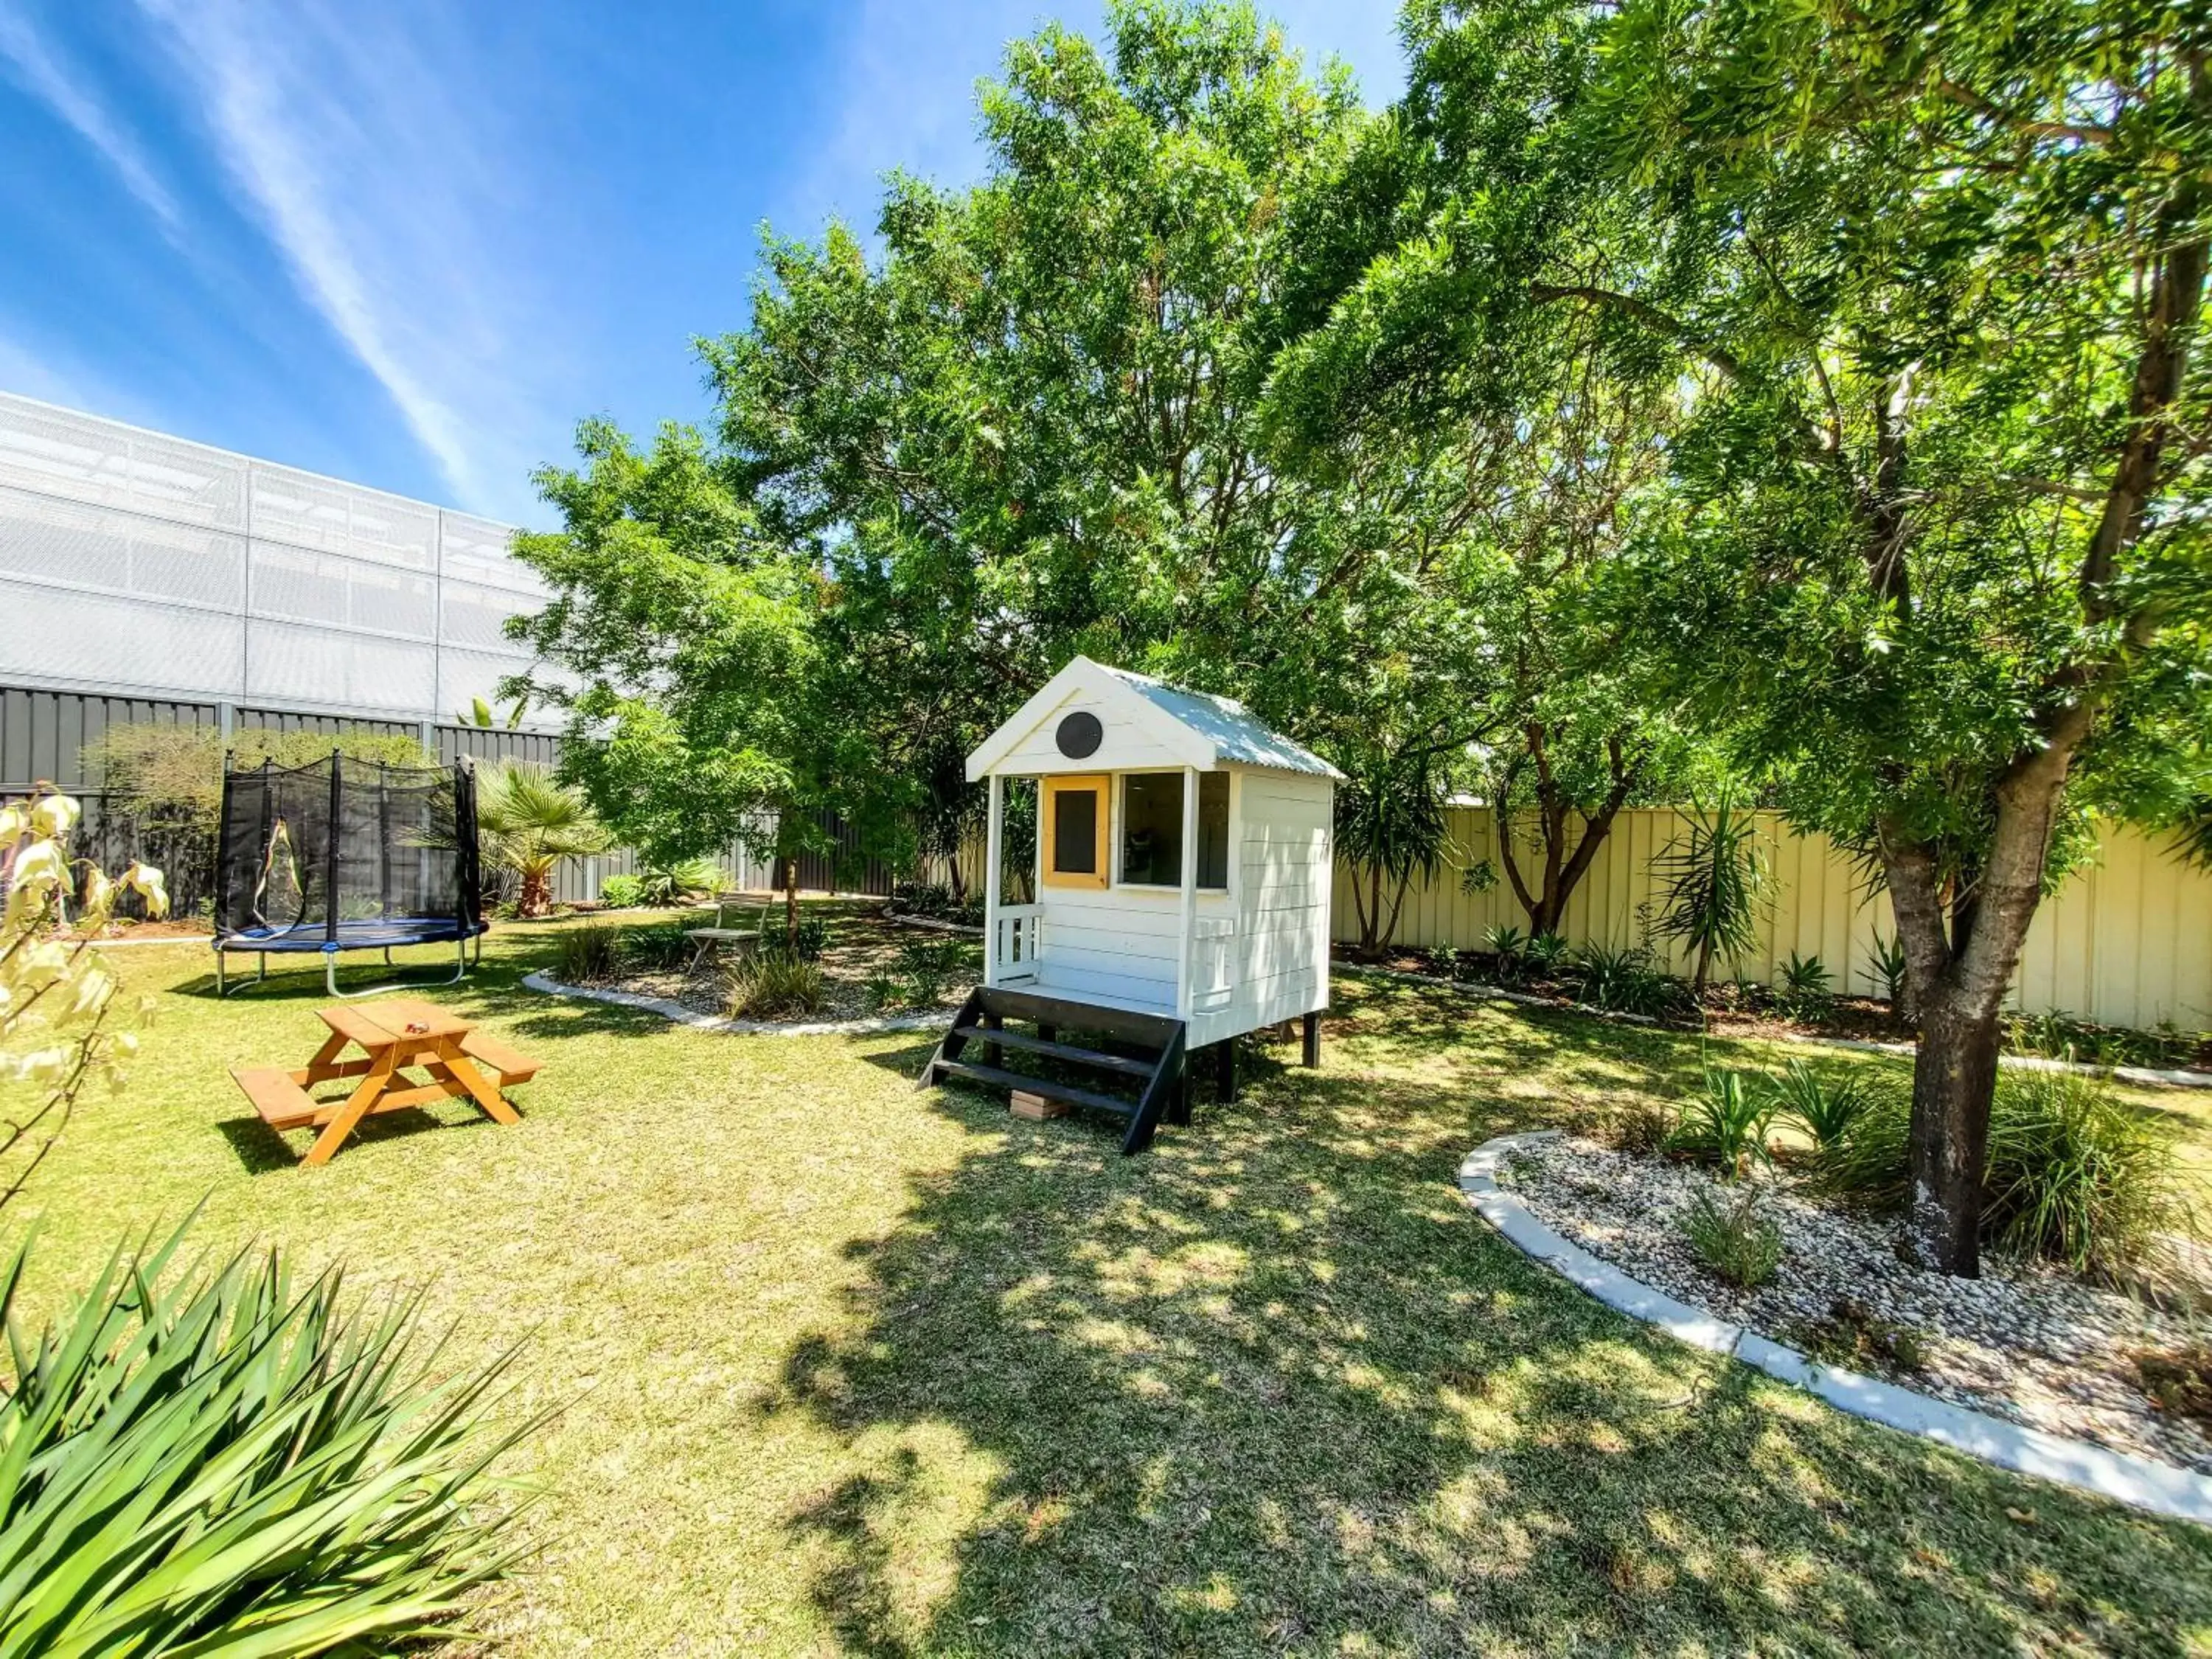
(2026, 1341)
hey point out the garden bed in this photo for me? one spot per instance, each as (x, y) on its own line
(2028, 1342)
(1636, 989)
(868, 967)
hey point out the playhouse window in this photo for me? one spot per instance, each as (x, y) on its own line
(1151, 829)
(1075, 831)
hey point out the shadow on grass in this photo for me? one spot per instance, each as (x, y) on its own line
(261, 1149)
(1272, 1388)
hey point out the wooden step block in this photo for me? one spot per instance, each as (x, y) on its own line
(283, 1104)
(1036, 1108)
(513, 1065)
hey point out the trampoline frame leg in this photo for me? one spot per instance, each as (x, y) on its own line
(460, 972)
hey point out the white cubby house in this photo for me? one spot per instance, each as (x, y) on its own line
(1181, 883)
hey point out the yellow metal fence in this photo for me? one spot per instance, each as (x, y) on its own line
(2126, 942)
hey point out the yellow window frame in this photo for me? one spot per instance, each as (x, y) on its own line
(1099, 784)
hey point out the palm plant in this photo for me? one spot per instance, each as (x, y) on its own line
(527, 823)
(1711, 886)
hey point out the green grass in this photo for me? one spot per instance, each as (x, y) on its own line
(846, 1368)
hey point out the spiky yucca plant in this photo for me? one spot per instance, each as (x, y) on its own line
(212, 1459)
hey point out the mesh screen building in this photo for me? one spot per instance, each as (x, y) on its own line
(138, 565)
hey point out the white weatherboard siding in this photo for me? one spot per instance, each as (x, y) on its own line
(1282, 838)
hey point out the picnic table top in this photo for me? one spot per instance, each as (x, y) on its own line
(394, 1019)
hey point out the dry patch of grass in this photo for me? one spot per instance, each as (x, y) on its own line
(848, 1368)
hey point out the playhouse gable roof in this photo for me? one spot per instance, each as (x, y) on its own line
(1199, 728)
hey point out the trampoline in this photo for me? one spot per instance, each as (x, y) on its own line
(346, 855)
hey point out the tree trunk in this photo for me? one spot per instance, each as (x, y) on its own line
(790, 902)
(1954, 1079)
(533, 899)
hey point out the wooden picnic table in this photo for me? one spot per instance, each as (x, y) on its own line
(395, 1035)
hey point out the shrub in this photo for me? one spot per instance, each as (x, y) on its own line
(2061, 1036)
(776, 985)
(1889, 969)
(1627, 981)
(217, 1461)
(1824, 1110)
(1736, 1240)
(623, 892)
(1804, 991)
(1726, 1123)
(1852, 1334)
(2073, 1175)
(582, 956)
(655, 950)
(926, 966)
(1546, 952)
(1505, 947)
(1643, 1127)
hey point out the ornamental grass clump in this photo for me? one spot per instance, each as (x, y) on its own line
(776, 985)
(1823, 1110)
(220, 1460)
(2073, 1175)
(1737, 1240)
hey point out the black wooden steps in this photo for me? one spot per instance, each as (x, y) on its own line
(1038, 1085)
(1161, 1073)
(1067, 1051)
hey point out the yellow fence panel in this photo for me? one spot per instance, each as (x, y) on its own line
(2127, 941)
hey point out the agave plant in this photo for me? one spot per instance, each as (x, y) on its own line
(217, 1461)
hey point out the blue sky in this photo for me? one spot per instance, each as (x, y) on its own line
(410, 242)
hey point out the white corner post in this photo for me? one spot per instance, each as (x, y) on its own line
(992, 835)
(1189, 908)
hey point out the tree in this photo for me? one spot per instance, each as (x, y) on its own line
(528, 822)
(1031, 427)
(1711, 885)
(682, 644)
(1935, 271)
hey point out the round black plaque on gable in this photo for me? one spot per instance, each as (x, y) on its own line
(1078, 736)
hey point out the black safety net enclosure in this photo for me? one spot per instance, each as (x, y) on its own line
(345, 855)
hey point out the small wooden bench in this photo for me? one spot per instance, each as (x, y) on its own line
(706, 938)
(513, 1065)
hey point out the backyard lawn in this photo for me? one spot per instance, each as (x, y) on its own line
(845, 1367)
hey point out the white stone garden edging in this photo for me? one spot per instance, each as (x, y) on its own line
(2157, 1487)
(2148, 1077)
(899, 918)
(682, 1016)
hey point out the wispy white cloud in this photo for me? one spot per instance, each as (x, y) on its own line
(342, 133)
(33, 65)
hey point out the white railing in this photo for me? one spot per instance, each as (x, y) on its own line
(1014, 943)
